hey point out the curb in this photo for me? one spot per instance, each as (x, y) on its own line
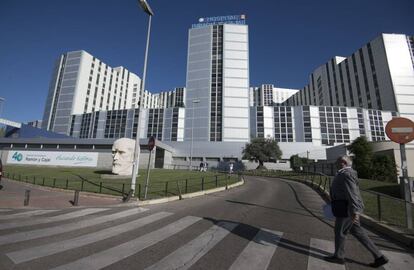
(189, 195)
(390, 232)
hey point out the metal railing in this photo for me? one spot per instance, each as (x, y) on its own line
(155, 189)
(381, 207)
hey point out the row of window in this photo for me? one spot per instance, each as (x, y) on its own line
(343, 69)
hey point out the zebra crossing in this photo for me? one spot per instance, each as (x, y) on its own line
(16, 229)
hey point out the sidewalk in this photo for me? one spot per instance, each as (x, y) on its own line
(12, 196)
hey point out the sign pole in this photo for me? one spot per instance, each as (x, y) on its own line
(151, 145)
(148, 174)
(406, 187)
(401, 131)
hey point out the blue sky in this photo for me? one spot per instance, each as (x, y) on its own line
(288, 39)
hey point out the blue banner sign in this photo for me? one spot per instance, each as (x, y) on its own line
(230, 19)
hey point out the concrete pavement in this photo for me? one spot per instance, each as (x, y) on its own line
(265, 224)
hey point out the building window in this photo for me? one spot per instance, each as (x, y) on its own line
(115, 124)
(283, 124)
(216, 84)
(334, 125)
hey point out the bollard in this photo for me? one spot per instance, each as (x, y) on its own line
(202, 183)
(186, 185)
(139, 191)
(179, 191)
(123, 189)
(43, 182)
(26, 197)
(67, 183)
(54, 182)
(128, 196)
(166, 189)
(216, 181)
(100, 187)
(76, 198)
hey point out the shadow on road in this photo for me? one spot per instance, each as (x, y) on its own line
(303, 206)
(248, 232)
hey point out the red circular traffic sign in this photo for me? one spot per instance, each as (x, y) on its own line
(151, 143)
(400, 130)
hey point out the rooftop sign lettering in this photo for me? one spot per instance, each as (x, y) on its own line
(230, 19)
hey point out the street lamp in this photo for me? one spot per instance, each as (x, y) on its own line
(1, 105)
(147, 9)
(192, 131)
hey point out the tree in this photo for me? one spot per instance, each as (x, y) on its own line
(262, 150)
(362, 160)
(384, 168)
(296, 162)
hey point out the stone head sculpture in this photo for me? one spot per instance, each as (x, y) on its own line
(123, 156)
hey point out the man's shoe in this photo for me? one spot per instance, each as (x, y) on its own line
(334, 259)
(379, 262)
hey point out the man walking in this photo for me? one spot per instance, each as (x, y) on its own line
(347, 206)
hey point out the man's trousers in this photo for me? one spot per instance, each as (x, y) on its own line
(343, 226)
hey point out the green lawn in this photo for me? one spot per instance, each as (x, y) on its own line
(391, 189)
(163, 182)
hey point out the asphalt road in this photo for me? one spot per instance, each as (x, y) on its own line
(265, 224)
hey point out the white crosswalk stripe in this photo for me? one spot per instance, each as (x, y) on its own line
(30, 222)
(53, 248)
(29, 235)
(259, 251)
(257, 254)
(398, 260)
(115, 254)
(186, 256)
(26, 214)
(318, 249)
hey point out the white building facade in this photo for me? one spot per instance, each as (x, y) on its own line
(83, 84)
(269, 95)
(320, 125)
(378, 76)
(217, 89)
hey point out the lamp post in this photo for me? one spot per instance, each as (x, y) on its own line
(147, 9)
(1, 105)
(192, 131)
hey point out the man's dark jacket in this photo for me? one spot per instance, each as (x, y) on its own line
(345, 187)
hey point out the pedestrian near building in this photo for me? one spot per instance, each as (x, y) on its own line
(347, 206)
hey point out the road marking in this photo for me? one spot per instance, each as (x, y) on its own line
(117, 253)
(53, 248)
(190, 253)
(398, 260)
(27, 214)
(29, 235)
(258, 253)
(316, 261)
(67, 216)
